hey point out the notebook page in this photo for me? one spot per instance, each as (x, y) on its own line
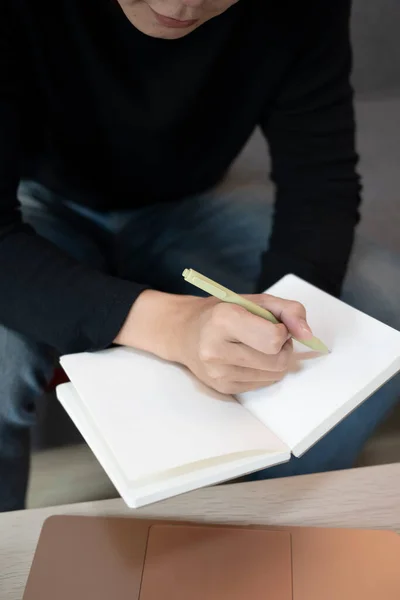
(319, 392)
(167, 483)
(155, 416)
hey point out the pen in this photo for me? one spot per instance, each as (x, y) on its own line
(222, 293)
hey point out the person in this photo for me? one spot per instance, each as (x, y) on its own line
(118, 120)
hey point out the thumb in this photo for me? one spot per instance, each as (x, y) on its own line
(291, 314)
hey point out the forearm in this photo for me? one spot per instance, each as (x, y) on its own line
(315, 246)
(157, 322)
(50, 298)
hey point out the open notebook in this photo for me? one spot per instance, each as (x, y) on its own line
(159, 432)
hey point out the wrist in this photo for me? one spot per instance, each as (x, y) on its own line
(157, 323)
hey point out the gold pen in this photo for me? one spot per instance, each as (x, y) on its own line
(222, 293)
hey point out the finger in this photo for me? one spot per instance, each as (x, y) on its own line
(239, 355)
(254, 332)
(230, 373)
(291, 313)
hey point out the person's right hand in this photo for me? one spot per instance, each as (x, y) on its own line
(225, 346)
(233, 351)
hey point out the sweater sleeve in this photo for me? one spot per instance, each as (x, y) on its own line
(44, 294)
(311, 134)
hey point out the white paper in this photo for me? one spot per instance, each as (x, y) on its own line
(321, 391)
(154, 416)
(168, 483)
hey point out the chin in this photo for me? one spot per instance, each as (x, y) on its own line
(166, 33)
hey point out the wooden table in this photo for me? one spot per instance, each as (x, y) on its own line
(361, 498)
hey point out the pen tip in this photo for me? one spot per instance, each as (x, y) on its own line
(320, 347)
(325, 350)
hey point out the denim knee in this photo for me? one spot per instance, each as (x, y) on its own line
(25, 369)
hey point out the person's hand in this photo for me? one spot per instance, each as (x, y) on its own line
(225, 346)
(233, 351)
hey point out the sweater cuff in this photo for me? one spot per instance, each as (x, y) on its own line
(100, 328)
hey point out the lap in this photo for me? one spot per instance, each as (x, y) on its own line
(222, 234)
(49, 215)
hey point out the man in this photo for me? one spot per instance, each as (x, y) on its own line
(116, 119)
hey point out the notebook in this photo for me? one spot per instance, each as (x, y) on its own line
(92, 558)
(159, 432)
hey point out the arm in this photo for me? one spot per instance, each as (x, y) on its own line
(53, 299)
(311, 132)
(43, 293)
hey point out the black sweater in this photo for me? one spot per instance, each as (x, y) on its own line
(91, 105)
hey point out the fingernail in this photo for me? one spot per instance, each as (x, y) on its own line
(306, 328)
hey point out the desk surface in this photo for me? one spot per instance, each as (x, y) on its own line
(361, 498)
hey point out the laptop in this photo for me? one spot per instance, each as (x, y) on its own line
(91, 558)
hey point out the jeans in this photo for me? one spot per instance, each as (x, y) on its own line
(221, 234)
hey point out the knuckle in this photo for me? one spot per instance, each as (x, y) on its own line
(219, 317)
(219, 374)
(282, 363)
(277, 339)
(224, 386)
(214, 373)
(207, 353)
(298, 307)
(275, 346)
(224, 314)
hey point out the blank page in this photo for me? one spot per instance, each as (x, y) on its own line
(321, 391)
(169, 482)
(154, 416)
